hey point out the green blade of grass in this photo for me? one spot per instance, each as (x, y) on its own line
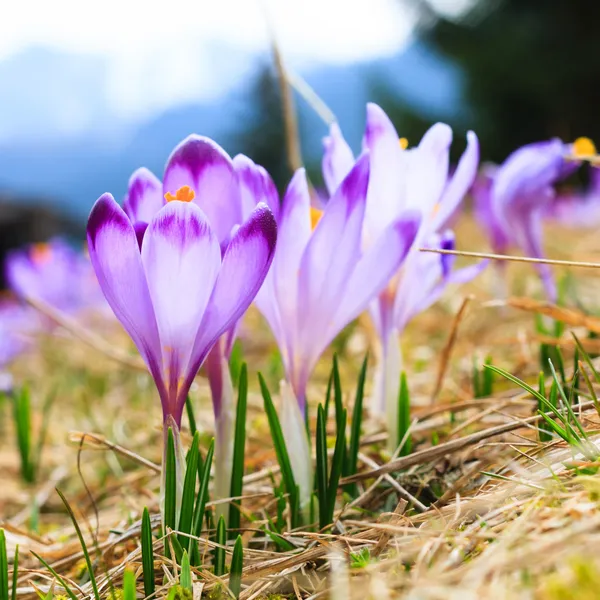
(355, 429)
(170, 516)
(338, 400)
(586, 358)
(147, 554)
(281, 451)
(185, 578)
(237, 564)
(328, 393)
(219, 552)
(86, 554)
(239, 451)
(129, 588)
(202, 498)
(236, 361)
(58, 578)
(188, 497)
(404, 416)
(22, 418)
(3, 567)
(321, 467)
(189, 409)
(15, 575)
(336, 467)
(516, 381)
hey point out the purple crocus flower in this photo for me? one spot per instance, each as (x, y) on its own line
(54, 273)
(319, 282)
(179, 277)
(403, 179)
(512, 199)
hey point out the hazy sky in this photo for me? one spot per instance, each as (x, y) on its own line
(164, 52)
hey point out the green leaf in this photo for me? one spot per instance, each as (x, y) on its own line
(336, 466)
(283, 457)
(129, 588)
(321, 467)
(237, 564)
(239, 451)
(170, 516)
(280, 541)
(185, 579)
(337, 393)
(586, 358)
(189, 409)
(188, 497)
(202, 498)
(86, 554)
(517, 382)
(404, 416)
(22, 418)
(58, 578)
(355, 430)
(147, 554)
(219, 552)
(328, 393)
(488, 379)
(543, 431)
(3, 567)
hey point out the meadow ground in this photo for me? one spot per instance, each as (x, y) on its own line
(481, 508)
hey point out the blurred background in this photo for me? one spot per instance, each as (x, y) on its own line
(91, 91)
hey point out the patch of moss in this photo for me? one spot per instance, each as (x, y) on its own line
(581, 582)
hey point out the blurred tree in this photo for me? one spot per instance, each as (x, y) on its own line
(263, 136)
(532, 68)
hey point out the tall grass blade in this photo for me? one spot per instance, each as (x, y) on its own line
(283, 457)
(147, 554)
(22, 418)
(202, 498)
(188, 497)
(239, 451)
(185, 579)
(86, 554)
(336, 466)
(355, 429)
(3, 567)
(219, 552)
(129, 587)
(586, 357)
(404, 417)
(321, 468)
(58, 578)
(15, 575)
(189, 409)
(237, 564)
(170, 516)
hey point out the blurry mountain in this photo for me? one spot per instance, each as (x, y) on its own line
(41, 155)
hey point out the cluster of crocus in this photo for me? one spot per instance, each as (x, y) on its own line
(406, 179)
(55, 274)
(179, 264)
(513, 198)
(183, 259)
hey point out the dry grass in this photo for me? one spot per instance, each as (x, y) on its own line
(534, 533)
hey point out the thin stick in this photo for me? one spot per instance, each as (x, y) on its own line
(447, 351)
(525, 259)
(435, 452)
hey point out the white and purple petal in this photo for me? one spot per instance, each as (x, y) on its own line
(256, 186)
(338, 158)
(116, 258)
(144, 196)
(207, 169)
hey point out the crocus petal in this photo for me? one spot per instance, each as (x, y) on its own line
(244, 267)
(459, 185)
(388, 171)
(204, 166)
(144, 196)
(375, 269)
(181, 258)
(337, 158)
(293, 236)
(427, 172)
(256, 186)
(329, 259)
(115, 256)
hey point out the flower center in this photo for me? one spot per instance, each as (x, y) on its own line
(315, 217)
(40, 253)
(403, 143)
(184, 194)
(583, 147)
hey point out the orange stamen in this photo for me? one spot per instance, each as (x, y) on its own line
(583, 147)
(403, 143)
(40, 253)
(183, 194)
(315, 216)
